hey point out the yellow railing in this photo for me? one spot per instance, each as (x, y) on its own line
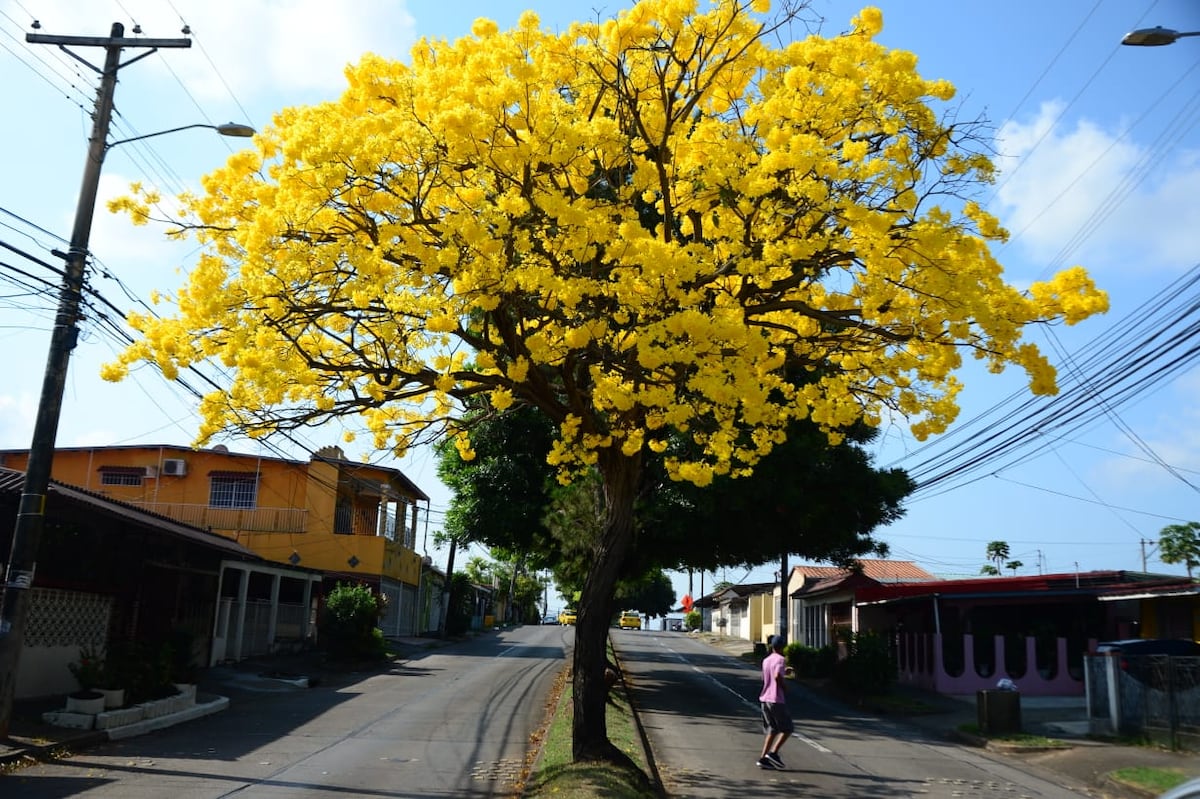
(262, 520)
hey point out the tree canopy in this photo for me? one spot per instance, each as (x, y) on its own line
(641, 226)
(1180, 543)
(807, 497)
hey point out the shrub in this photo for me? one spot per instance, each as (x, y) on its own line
(691, 620)
(147, 670)
(89, 669)
(868, 667)
(348, 623)
(808, 661)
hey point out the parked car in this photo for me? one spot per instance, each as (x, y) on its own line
(549, 619)
(630, 620)
(566, 617)
(1137, 655)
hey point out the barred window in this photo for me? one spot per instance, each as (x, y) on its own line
(121, 475)
(233, 491)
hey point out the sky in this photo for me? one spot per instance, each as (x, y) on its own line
(1099, 153)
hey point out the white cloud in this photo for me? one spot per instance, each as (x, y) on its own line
(281, 47)
(1078, 192)
(17, 414)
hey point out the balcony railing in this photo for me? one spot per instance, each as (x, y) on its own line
(256, 520)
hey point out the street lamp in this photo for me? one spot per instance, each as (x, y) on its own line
(228, 129)
(1155, 37)
(31, 512)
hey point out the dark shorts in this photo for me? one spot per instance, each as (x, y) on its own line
(776, 718)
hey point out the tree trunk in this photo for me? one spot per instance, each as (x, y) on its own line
(589, 733)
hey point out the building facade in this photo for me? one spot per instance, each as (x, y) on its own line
(354, 522)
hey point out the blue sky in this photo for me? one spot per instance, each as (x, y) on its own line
(1099, 149)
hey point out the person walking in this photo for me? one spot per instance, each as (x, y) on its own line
(777, 721)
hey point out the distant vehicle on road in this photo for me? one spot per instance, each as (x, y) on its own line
(630, 620)
(549, 619)
(566, 617)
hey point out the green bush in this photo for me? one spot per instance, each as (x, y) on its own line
(691, 620)
(349, 620)
(868, 667)
(810, 662)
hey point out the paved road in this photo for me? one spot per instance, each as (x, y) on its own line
(699, 708)
(454, 721)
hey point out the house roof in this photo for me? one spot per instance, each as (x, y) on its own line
(1083, 584)
(884, 571)
(845, 581)
(743, 590)
(12, 482)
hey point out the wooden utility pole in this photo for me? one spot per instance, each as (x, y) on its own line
(31, 513)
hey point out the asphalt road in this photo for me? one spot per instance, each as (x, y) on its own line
(700, 711)
(449, 722)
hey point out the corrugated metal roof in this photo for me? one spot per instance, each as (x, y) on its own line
(12, 482)
(1085, 583)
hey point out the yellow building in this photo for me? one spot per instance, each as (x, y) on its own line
(352, 521)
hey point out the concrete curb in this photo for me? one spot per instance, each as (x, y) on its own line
(1126, 788)
(647, 749)
(85, 740)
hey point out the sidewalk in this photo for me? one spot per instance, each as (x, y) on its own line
(1088, 761)
(31, 739)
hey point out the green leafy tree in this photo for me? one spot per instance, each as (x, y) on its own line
(500, 494)
(462, 604)
(1180, 543)
(1013, 565)
(989, 570)
(651, 594)
(997, 553)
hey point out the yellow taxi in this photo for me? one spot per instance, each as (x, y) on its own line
(630, 620)
(566, 617)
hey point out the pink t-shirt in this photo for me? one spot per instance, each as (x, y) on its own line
(772, 670)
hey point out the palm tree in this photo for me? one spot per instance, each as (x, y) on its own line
(997, 552)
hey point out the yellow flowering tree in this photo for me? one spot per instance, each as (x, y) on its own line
(643, 226)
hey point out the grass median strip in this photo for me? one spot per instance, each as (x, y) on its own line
(555, 775)
(1155, 780)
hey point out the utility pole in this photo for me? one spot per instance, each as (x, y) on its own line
(31, 513)
(782, 627)
(1143, 543)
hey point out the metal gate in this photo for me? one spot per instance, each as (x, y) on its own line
(1156, 696)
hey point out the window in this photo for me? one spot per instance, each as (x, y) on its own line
(121, 475)
(233, 491)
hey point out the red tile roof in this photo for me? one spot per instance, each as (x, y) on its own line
(885, 571)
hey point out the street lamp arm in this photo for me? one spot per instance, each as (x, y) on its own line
(228, 129)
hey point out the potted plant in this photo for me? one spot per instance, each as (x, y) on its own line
(183, 669)
(88, 672)
(115, 676)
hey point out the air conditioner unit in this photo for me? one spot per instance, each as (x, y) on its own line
(151, 471)
(175, 467)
